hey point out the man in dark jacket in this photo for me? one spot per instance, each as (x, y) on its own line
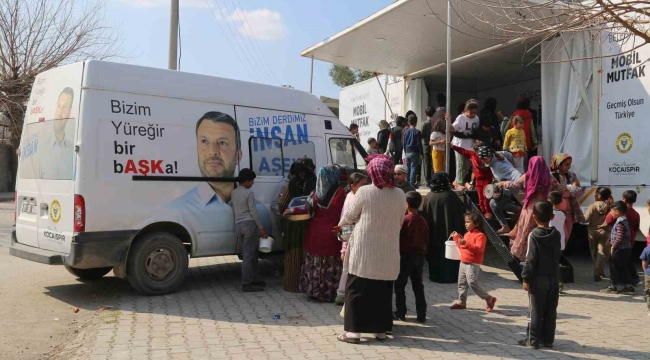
(540, 277)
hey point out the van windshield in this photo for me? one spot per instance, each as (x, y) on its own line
(47, 150)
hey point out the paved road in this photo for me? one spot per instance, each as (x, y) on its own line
(210, 319)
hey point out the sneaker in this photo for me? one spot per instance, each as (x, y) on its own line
(610, 290)
(628, 290)
(458, 306)
(422, 319)
(397, 316)
(598, 278)
(339, 301)
(251, 288)
(490, 304)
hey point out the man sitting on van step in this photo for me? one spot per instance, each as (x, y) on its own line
(248, 228)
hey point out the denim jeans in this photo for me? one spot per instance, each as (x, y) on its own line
(500, 206)
(412, 159)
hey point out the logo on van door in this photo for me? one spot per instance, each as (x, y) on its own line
(55, 211)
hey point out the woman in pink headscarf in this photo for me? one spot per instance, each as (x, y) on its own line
(537, 182)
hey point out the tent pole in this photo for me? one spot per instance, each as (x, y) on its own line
(448, 104)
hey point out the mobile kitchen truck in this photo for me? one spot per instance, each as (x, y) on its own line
(130, 169)
(596, 109)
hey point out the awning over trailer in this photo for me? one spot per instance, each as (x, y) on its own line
(408, 38)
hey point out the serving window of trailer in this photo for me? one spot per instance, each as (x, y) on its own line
(273, 157)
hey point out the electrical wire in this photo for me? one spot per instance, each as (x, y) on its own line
(228, 39)
(248, 44)
(255, 42)
(234, 36)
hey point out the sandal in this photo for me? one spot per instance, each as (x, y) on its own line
(457, 306)
(344, 338)
(490, 304)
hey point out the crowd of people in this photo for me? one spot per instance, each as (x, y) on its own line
(395, 230)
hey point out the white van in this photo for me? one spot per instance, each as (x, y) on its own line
(130, 169)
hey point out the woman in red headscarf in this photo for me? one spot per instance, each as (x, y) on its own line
(570, 189)
(537, 182)
(372, 259)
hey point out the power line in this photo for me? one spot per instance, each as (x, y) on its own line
(250, 47)
(255, 42)
(229, 43)
(232, 32)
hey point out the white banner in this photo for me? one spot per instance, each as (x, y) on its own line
(365, 105)
(624, 107)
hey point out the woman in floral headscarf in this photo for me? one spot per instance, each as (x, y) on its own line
(537, 182)
(372, 259)
(570, 189)
(321, 271)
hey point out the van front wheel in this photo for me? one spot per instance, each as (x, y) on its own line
(157, 264)
(89, 274)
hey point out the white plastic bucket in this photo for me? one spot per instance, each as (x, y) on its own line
(266, 244)
(451, 250)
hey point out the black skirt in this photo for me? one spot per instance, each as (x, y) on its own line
(368, 305)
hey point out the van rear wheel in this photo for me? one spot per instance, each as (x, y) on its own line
(89, 274)
(157, 264)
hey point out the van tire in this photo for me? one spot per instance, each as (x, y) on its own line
(89, 274)
(157, 264)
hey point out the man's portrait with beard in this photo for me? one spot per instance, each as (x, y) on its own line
(206, 208)
(57, 151)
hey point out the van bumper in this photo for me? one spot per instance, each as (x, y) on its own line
(87, 251)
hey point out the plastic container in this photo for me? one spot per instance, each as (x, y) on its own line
(298, 209)
(266, 244)
(451, 250)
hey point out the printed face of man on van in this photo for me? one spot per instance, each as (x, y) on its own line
(62, 111)
(217, 149)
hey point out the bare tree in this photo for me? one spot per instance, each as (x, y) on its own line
(535, 21)
(38, 35)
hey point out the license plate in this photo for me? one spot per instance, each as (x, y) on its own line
(28, 209)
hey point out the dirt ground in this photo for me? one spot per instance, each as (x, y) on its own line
(37, 302)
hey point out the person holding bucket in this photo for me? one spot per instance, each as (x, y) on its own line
(472, 248)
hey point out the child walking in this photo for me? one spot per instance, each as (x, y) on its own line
(472, 248)
(559, 217)
(540, 278)
(413, 238)
(515, 142)
(249, 228)
(482, 175)
(621, 249)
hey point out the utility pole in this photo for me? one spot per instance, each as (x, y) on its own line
(173, 37)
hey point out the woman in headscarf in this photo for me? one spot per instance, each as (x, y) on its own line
(383, 135)
(444, 212)
(570, 189)
(302, 183)
(372, 259)
(321, 271)
(537, 182)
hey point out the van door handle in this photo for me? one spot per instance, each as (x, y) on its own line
(44, 207)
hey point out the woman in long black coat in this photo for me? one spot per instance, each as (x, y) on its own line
(445, 213)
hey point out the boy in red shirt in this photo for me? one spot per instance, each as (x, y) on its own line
(413, 238)
(472, 248)
(634, 220)
(482, 175)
